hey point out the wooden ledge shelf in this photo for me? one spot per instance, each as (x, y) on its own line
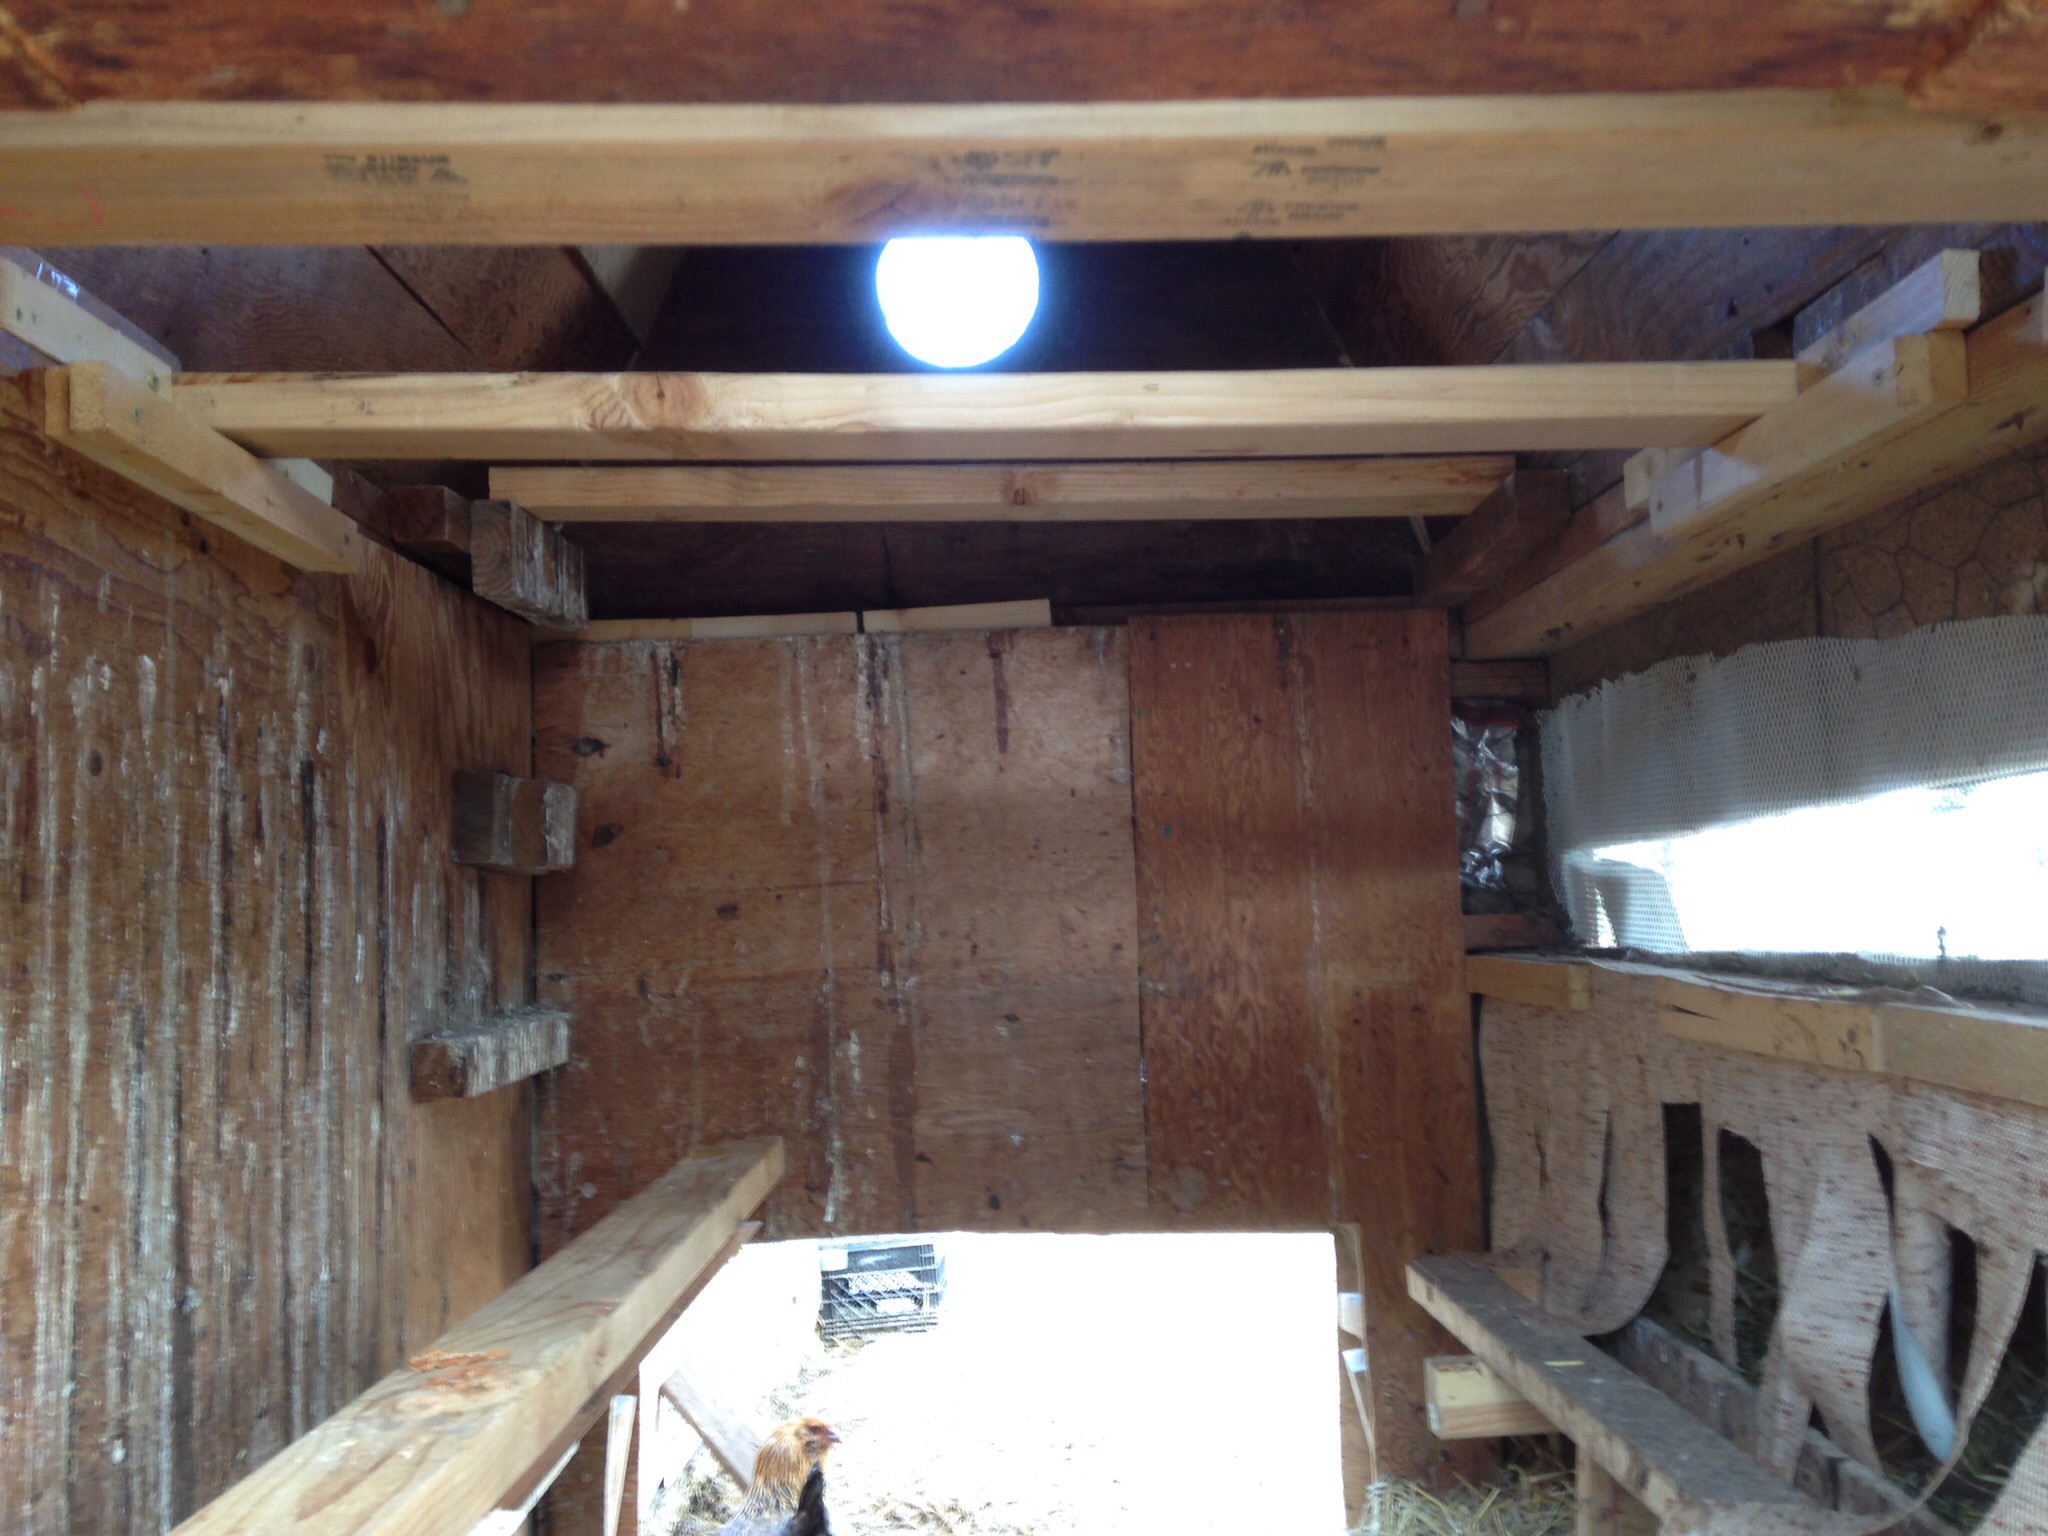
(1999, 1052)
(444, 1439)
(466, 1063)
(1690, 1478)
(514, 826)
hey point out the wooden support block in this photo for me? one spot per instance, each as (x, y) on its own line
(618, 1450)
(1606, 1508)
(727, 417)
(1351, 1313)
(1521, 682)
(1509, 930)
(515, 826)
(431, 524)
(1566, 984)
(738, 627)
(1945, 293)
(525, 566)
(1033, 613)
(1467, 1401)
(68, 327)
(1646, 467)
(1885, 391)
(1360, 1375)
(728, 1430)
(1686, 1474)
(150, 439)
(441, 1441)
(1178, 489)
(1526, 511)
(515, 1045)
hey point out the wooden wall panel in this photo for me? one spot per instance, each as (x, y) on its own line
(873, 894)
(1019, 904)
(225, 906)
(717, 937)
(1307, 1034)
(1237, 1113)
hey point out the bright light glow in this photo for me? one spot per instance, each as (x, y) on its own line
(1917, 873)
(956, 301)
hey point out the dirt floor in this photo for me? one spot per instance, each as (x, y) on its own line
(1077, 1385)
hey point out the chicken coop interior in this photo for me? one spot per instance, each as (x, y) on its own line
(1003, 769)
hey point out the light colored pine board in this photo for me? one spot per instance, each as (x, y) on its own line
(1564, 984)
(755, 626)
(437, 1443)
(618, 1449)
(64, 328)
(898, 493)
(1279, 413)
(1999, 1052)
(1029, 613)
(153, 440)
(1884, 391)
(1682, 1470)
(1467, 1401)
(1944, 293)
(508, 1048)
(477, 173)
(1635, 569)
(728, 1429)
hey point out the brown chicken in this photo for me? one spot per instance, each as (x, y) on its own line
(788, 1496)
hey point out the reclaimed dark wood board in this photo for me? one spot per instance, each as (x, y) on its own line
(227, 906)
(1307, 1032)
(876, 50)
(816, 878)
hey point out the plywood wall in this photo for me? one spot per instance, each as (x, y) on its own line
(225, 905)
(1308, 1038)
(871, 893)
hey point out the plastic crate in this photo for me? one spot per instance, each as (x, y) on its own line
(880, 1287)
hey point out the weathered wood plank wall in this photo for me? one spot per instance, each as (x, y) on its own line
(871, 893)
(225, 906)
(1308, 1039)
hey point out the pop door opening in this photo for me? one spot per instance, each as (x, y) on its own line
(1077, 1384)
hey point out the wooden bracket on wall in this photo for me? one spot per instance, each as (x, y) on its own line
(466, 1063)
(1467, 1401)
(525, 566)
(431, 524)
(515, 826)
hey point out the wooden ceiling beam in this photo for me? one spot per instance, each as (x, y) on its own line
(954, 417)
(494, 174)
(1174, 489)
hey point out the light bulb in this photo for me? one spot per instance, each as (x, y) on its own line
(956, 301)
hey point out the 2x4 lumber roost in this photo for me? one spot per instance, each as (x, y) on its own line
(1636, 568)
(440, 1441)
(1253, 414)
(899, 493)
(1690, 1477)
(484, 173)
(150, 438)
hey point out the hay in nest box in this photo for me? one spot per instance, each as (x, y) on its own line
(1521, 1503)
